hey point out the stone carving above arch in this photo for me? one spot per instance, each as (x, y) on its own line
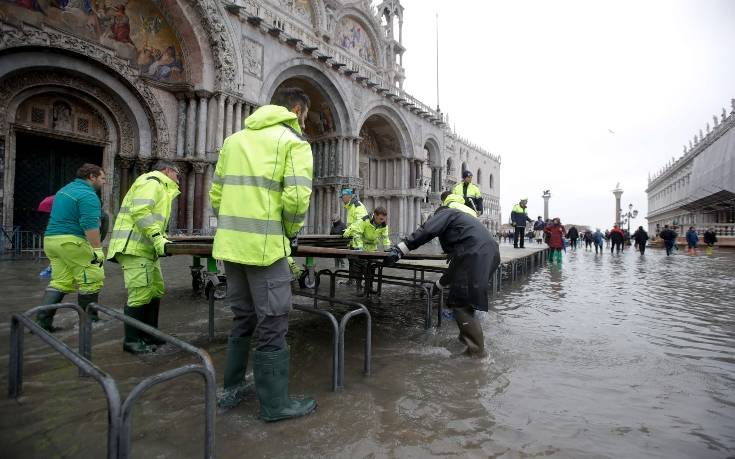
(25, 35)
(21, 81)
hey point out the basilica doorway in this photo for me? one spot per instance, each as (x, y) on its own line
(44, 164)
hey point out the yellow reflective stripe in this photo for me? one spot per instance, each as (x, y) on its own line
(248, 180)
(151, 219)
(134, 236)
(297, 180)
(249, 225)
(293, 218)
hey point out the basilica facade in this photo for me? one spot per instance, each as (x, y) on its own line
(121, 83)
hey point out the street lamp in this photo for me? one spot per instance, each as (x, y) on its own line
(631, 214)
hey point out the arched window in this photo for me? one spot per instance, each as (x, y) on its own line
(449, 166)
(490, 181)
(478, 179)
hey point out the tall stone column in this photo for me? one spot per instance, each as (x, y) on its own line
(402, 213)
(220, 128)
(125, 165)
(238, 117)
(546, 196)
(199, 168)
(356, 156)
(340, 156)
(191, 127)
(228, 116)
(618, 192)
(181, 214)
(181, 126)
(201, 143)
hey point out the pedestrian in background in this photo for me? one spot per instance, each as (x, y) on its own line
(598, 239)
(538, 229)
(555, 232)
(573, 235)
(692, 241)
(710, 239)
(641, 238)
(669, 236)
(617, 237)
(587, 236)
(470, 193)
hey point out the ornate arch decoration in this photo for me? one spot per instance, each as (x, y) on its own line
(22, 53)
(332, 92)
(397, 122)
(370, 25)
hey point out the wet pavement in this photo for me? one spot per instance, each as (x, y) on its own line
(606, 356)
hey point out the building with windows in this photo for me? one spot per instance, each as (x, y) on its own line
(698, 189)
(121, 83)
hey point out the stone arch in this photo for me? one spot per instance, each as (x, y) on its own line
(369, 25)
(304, 69)
(434, 163)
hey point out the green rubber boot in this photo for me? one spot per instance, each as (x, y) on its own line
(45, 319)
(151, 318)
(134, 338)
(557, 255)
(235, 388)
(84, 299)
(470, 331)
(271, 384)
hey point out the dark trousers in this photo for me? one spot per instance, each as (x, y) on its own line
(587, 244)
(260, 299)
(669, 247)
(518, 236)
(615, 244)
(642, 248)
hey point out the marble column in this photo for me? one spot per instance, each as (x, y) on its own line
(201, 143)
(402, 213)
(228, 116)
(238, 117)
(125, 165)
(340, 156)
(220, 129)
(199, 168)
(181, 214)
(191, 128)
(181, 126)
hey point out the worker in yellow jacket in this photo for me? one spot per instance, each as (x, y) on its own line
(260, 194)
(370, 230)
(137, 242)
(456, 201)
(470, 192)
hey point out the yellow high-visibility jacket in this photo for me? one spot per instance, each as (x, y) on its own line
(261, 188)
(145, 211)
(366, 234)
(455, 201)
(355, 213)
(473, 191)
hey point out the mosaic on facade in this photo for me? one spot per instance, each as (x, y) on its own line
(135, 29)
(351, 36)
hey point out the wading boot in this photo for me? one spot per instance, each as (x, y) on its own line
(470, 331)
(235, 389)
(84, 300)
(45, 319)
(557, 255)
(271, 384)
(151, 318)
(134, 338)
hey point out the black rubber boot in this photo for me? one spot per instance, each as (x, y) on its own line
(151, 318)
(470, 331)
(236, 363)
(134, 338)
(45, 319)
(84, 299)
(271, 370)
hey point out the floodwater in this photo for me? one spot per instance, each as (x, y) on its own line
(606, 356)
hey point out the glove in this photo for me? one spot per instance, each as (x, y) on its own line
(99, 256)
(159, 244)
(394, 254)
(294, 243)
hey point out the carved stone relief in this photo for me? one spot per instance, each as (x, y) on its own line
(252, 57)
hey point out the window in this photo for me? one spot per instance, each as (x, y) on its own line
(38, 115)
(490, 181)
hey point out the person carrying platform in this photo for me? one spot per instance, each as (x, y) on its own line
(456, 201)
(137, 242)
(260, 194)
(518, 218)
(470, 192)
(73, 244)
(370, 230)
(355, 213)
(473, 257)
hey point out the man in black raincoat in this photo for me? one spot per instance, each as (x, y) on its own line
(473, 257)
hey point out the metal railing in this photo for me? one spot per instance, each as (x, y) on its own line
(16, 242)
(119, 429)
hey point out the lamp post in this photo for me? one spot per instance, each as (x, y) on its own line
(631, 214)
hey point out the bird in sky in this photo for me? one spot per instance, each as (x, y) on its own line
(611, 131)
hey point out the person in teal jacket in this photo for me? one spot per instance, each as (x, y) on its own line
(73, 244)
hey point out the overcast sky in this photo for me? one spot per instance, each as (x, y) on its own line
(543, 84)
